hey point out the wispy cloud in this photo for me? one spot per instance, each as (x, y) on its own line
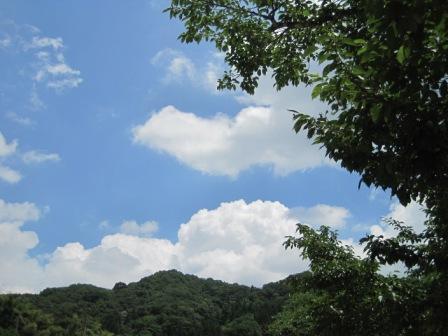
(44, 60)
(146, 229)
(51, 66)
(24, 121)
(39, 157)
(6, 148)
(9, 149)
(39, 42)
(35, 102)
(180, 68)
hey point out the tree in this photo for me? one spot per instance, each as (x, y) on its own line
(345, 295)
(384, 76)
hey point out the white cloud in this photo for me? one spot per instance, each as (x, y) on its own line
(45, 62)
(33, 156)
(412, 215)
(221, 145)
(10, 175)
(39, 42)
(133, 228)
(260, 134)
(5, 148)
(18, 212)
(322, 214)
(179, 68)
(239, 242)
(23, 272)
(55, 72)
(236, 242)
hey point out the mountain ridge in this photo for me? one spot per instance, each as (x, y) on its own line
(167, 303)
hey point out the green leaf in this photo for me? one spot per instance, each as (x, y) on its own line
(317, 90)
(375, 113)
(402, 54)
(328, 68)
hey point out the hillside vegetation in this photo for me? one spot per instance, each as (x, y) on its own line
(167, 303)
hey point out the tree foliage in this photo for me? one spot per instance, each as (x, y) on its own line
(165, 304)
(383, 73)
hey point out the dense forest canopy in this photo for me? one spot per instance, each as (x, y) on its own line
(166, 303)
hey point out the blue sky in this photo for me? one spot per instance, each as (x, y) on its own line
(113, 135)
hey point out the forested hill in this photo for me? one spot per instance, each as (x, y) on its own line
(166, 303)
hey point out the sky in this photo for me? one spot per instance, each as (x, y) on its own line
(119, 158)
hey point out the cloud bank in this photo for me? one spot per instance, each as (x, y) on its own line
(236, 242)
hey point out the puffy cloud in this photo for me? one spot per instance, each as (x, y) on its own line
(221, 145)
(236, 242)
(239, 242)
(118, 258)
(39, 157)
(23, 272)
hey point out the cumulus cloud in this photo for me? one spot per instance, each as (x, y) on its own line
(34, 156)
(236, 242)
(23, 272)
(221, 145)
